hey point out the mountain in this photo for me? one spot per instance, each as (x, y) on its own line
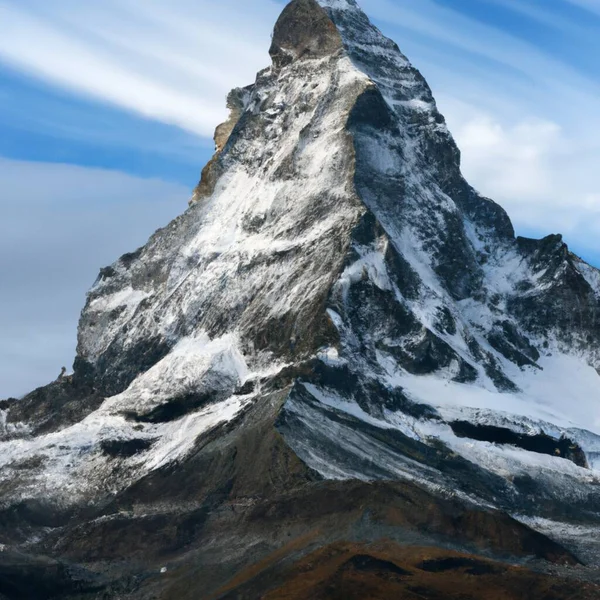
(338, 374)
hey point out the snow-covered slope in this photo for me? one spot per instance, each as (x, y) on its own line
(335, 271)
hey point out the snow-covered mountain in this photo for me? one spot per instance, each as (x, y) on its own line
(338, 321)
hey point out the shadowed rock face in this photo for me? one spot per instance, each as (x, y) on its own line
(540, 443)
(336, 375)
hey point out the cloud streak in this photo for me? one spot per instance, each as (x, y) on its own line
(526, 122)
(172, 64)
(592, 6)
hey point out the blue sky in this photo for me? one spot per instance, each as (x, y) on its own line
(107, 112)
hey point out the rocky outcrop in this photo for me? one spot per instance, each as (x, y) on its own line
(236, 103)
(303, 31)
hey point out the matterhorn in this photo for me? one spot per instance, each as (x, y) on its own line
(338, 374)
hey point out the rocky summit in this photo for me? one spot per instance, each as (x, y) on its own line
(338, 374)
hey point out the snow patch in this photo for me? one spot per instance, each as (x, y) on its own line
(127, 297)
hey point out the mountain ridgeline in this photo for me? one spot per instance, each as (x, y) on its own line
(338, 374)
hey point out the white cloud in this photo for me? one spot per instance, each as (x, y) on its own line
(543, 178)
(59, 225)
(512, 160)
(174, 64)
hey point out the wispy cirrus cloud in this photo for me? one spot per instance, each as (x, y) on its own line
(525, 61)
(173, 63)
(523, 108)
(590, 5)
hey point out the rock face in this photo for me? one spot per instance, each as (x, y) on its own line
(304, 31)
(339, 342)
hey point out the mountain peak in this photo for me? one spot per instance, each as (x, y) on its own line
(303, 31)
(339, 331)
